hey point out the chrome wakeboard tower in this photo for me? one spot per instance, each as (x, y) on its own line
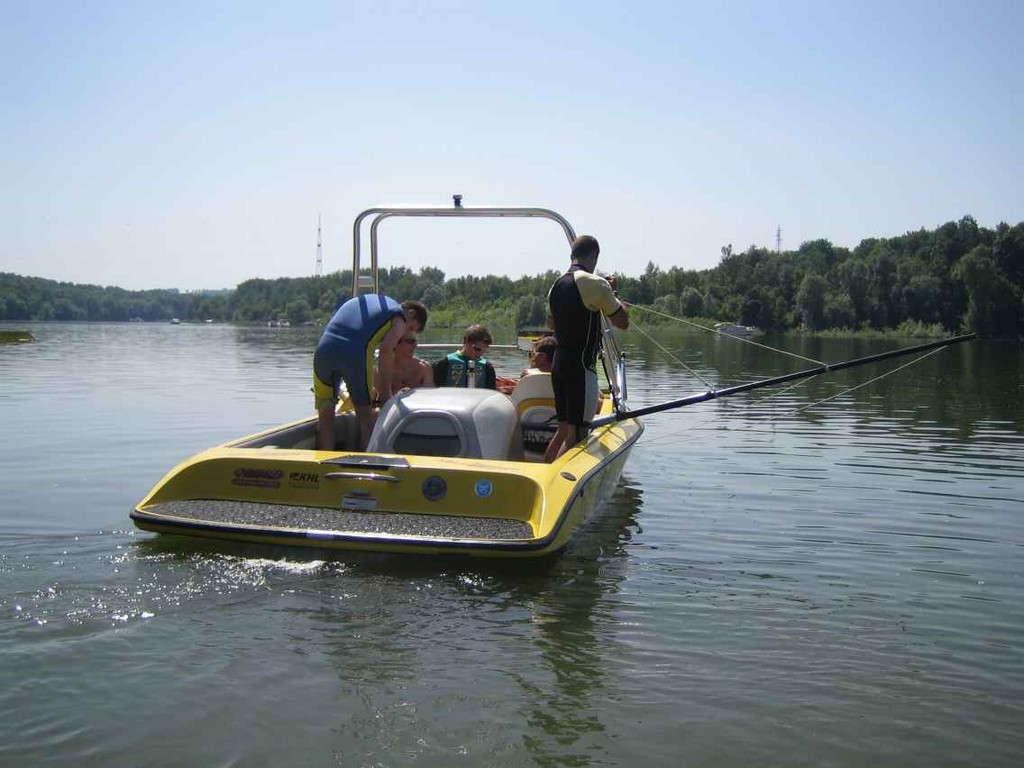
(367, 279)
(369, 282)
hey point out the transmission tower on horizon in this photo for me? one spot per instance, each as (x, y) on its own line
(778, 239)
(319, 250)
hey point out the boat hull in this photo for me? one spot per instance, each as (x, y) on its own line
(389, 503)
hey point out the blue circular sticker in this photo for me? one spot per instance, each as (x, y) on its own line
(483, 488)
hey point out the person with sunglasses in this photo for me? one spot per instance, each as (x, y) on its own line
(542, 355)
(467, 367)
(410, 371)
(540, 362)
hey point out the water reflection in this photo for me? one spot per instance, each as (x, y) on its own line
(575, 634)
(406, 635)
(405, 638)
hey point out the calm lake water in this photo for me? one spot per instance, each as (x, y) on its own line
(772, 584)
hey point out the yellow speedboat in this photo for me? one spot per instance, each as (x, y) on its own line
(446, 470)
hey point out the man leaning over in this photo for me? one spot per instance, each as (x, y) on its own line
(345, 353)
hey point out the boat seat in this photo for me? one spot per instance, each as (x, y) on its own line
(534, 399)
(533, 386)
(538, 424)
(448, 421)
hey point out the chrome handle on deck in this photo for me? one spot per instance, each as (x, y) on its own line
(361, 476)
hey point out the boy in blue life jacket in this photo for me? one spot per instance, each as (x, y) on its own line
(467, 367)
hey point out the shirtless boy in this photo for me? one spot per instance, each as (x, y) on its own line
(410, 371)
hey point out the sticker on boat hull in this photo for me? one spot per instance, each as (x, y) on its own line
(309, 480)
(483, 488)
(261, 478)
(359, 501)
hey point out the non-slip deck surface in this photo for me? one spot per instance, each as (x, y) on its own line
(339, 521)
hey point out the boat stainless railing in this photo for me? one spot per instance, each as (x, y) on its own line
(613, 359)
(371, 282)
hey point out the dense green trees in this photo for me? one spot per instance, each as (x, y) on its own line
(959, 276)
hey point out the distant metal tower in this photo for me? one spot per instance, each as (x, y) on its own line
(778, 239)
(319, 250)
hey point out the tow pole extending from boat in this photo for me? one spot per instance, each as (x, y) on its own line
(713, 394)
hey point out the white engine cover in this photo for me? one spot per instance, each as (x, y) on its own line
(448, 421)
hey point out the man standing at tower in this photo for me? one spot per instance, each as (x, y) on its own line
(576, 302)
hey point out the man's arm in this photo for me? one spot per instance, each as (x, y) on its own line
(598, 295)
(620, 317)
(386, 359)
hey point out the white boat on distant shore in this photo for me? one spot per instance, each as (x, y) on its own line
(175, 321)
(740, 331)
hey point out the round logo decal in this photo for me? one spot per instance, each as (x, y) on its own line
(434, 488)
(483, 488)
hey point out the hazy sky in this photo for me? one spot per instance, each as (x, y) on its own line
(192, 145)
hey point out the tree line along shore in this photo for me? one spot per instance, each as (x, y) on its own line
(957, 277)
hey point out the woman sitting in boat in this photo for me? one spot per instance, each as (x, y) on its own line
(541, 356)
(467, 367)
(345, 353)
